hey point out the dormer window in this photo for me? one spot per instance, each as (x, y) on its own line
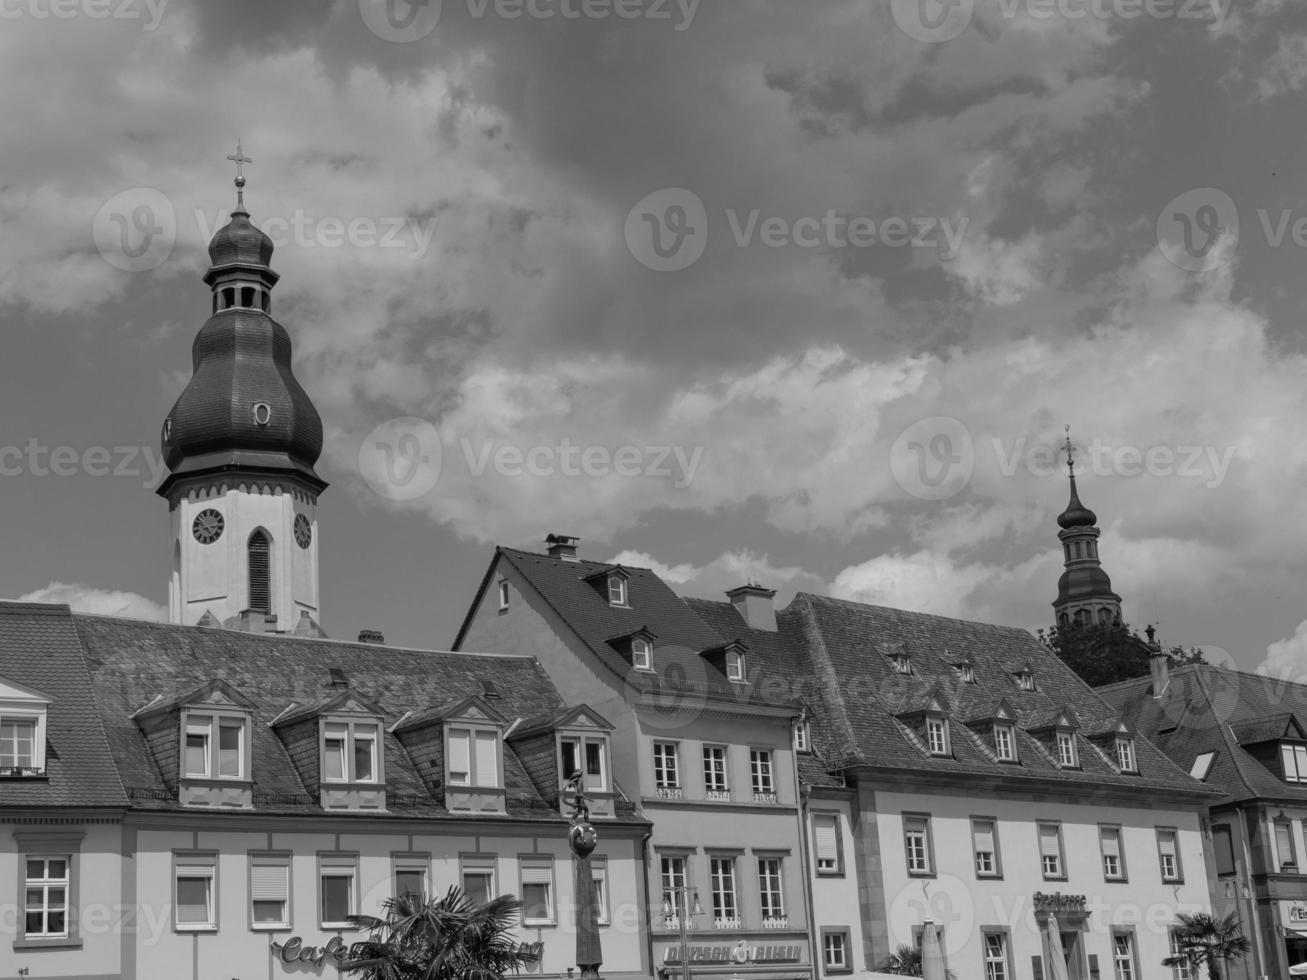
(351, 751)
(1125, 754)
(802, 737)
(616, 590)
(474, 757)
(1067, 756)
(1293, 756)
(18, 744)
(585, 755)
(22, 731)
(966, 672)
(503, 596)
(215, 746)
(1005, 742)
(641, 654)
(937, 736)
(1025, 680)
(735, 665)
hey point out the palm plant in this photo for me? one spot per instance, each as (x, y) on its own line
(1207, 941)
(906, 962)
(449, 938)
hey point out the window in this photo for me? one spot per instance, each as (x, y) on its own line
(537, 891)
(769, 888)
(1109, 844)
(350, 752)
(584, 754)
(197, 753)
(194, 908)
(1050, 850)
(641, 654)
(984, 844)
(503, 596)
(18, 743)
(617, 590)
(902, 663)
(667, 772)
(937, 736)
(1066, 751)
(260, 548)
(826, 843)
(599, 879)
(1294, 758)
(672, 873)
(997, 965)
(474, 757)
(916, 843)
(1125, 754)
(735, 667)
(760, 771)
(1223, 846)
(1123, 956)
(336, 891)
(966, 672)
(269, 891)
(835, 950)
(411, 875)
(1005, 743)
(478, 877)
(215, 746)
(45, 908)
(1202, 765)
(1181, 970)
(714, 770)
(802, 739)
(724, 909)
(1025, 680)
(1285, 859)
(1168, 856)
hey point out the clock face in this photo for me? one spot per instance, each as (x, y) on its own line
(208, 526)
(303, 533)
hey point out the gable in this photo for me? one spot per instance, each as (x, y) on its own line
(17, 694)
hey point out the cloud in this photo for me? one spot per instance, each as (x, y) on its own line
(101, 602)
(1287, 658)
(725, 572)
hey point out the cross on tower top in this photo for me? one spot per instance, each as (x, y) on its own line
(1070, 452)
(240, 159)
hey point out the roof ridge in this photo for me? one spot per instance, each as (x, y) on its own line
(816, 640)
(11, 607)
(856, 604)
(1226, 734)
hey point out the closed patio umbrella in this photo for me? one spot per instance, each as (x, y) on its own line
(932, 957)
(1057, 956)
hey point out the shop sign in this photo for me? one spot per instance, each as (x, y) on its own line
(741, 952)
(1057, 902)
(1295, 915)
(293, 950)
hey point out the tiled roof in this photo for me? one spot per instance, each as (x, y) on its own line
(682, 636)
(837, 647)
(131, 662)
(1202, 709)
(39, 649)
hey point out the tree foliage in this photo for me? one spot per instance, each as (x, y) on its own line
(1208, 941)
(906, 962)
(1104, 653)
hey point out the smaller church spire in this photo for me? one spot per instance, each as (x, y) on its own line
(240, 159)
(1084, 592)
(1076, 513)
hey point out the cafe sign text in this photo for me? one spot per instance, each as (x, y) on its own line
(741, 952)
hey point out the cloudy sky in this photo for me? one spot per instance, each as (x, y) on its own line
(803, 293)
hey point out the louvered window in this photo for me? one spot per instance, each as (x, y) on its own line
(260, 551)
(825, 834)
(269, 892)
(1169, 857)
(537, 897)
(1050, 850)
(985, 847)
(1109, 839)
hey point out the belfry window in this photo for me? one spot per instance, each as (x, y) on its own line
(228, 298)
(247, 297)
(260, 550)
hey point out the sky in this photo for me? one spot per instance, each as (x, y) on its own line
(752, 290)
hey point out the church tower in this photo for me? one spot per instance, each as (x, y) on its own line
(1084, 592)
(240, 445)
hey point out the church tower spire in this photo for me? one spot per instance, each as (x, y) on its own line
(1084, 592)
(241, 443)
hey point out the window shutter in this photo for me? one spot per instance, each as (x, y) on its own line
(1112, 842)
(487, 756)
(984, 835)
(1166, 840)
(1048, 846)
(1037, 967)
(1283, 843)
(824, 832)
(537, 874)
(260, 579)
(459, 751)
(269, 882)
(917, 824)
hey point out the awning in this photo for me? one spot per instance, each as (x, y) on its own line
(1298, 971)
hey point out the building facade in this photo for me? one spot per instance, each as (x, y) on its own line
(705, 758)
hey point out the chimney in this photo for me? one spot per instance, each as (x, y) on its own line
(562, 546)
(253, 621)
(371, 636)
(754, 604)
(1157, 664)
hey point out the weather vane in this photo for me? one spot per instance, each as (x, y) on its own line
(1070, 451)
(240, 159)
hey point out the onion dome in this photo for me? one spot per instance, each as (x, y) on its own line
(243, 412)
(1083, 582)
(1076, 513)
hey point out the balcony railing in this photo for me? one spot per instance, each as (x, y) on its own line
(727, 922)
(673, 923)
(719, 795)
(19, 772)
(669, 792)
(775, 922)
(763, 797)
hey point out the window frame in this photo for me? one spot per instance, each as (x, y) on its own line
(671, 892)
(473, 729)
(843, 933)
(200, 865)
(727, 862)
(762, 762)
(337, 864)
(1178, 877)
(407, 862)
(764, 886)
(349, 760)
(55, 845)
(34, 716)
(1004, 935)
(1127, 758)
(1180, 970)
(280, 859)
(928, 845)
(642, 653)
(623, 598)
(479, 864)
(538, 863)
(45, 884)
(210, 723)
(837, 832)
(661, 781)
(1225, 830)
(1061, 874)
(938, 724)
(737, 668)
(1132, 950)
(599, 881)
(1009, 730)
(997, 873)
(1065, 743)
(1122, 874)
(502, 590)
(802, 735)
(583, 739)
(1293, 753)
(710, 770)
